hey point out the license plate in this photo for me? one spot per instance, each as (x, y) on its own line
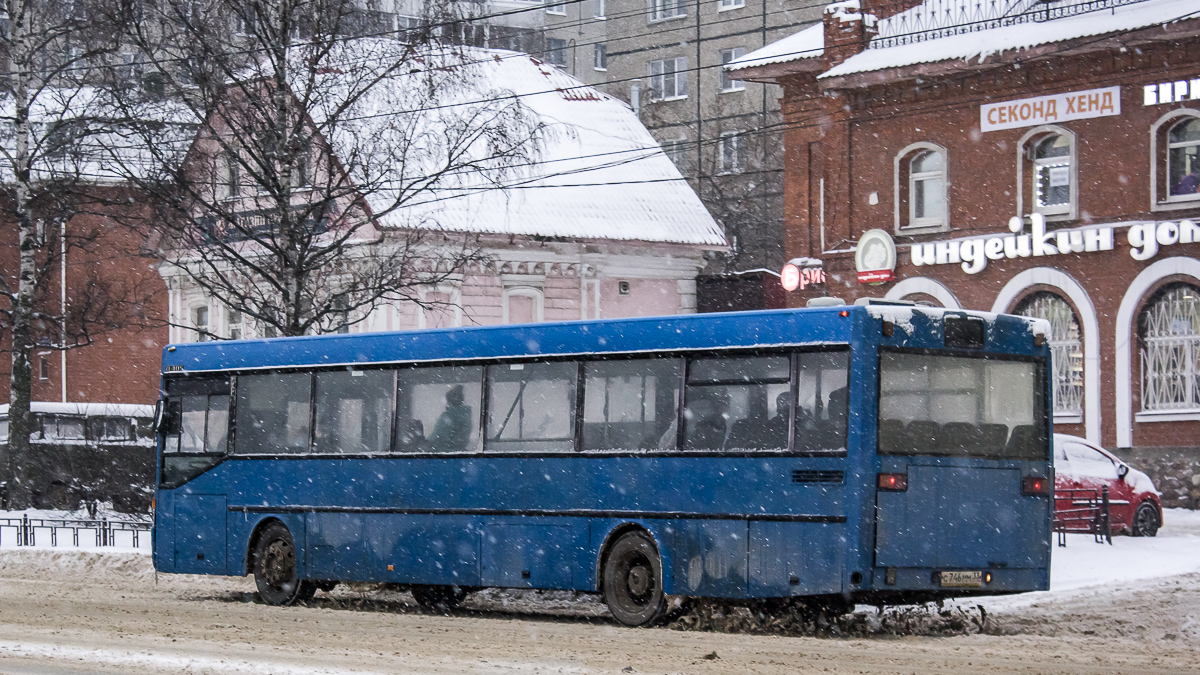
(961, 579)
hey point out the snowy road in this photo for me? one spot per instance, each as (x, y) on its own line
(1130, 608)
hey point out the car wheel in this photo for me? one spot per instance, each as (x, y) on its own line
(275, 568)
(1145, 520)
(633, 580)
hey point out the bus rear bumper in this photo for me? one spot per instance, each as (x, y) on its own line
(959, 582)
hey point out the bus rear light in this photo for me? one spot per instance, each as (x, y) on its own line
(843, 313)
(893, 482)
(1035, 485)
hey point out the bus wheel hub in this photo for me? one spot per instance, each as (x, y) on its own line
(639, 580)
(278, 564)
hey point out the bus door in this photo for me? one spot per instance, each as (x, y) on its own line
(960, 439)
(195, 428)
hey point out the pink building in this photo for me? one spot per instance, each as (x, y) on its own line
(603, 225)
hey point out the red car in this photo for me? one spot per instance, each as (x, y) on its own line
(1134, 506)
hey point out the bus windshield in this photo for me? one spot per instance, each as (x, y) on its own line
(955, 406)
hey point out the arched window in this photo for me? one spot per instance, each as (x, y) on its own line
(1066, 349)
(926, 181)
(1052, 174)
(523, 304)
(1183, 159)
(1170, 334)
(921, 188)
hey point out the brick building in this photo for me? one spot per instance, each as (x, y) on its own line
(1040, 159)
(122, 362)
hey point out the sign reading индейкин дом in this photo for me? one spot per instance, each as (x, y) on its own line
(1030, 112)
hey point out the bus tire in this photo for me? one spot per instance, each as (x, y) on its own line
(633, 580)
(438, 598)
(275, 568)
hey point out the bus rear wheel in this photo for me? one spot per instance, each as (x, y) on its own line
(633, 580)
(275, 568)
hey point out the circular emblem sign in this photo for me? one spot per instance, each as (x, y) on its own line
(790, 277)
(875, 257)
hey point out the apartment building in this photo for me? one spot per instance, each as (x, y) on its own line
(665, 58)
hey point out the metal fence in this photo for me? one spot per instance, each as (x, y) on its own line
(105, 531)
(942, 18)
(1084, 511)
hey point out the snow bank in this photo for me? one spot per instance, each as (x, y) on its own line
(1130, 562)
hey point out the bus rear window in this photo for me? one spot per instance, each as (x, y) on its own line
(952, 406)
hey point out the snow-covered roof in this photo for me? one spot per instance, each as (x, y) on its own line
(807, 44)
(88, 409)
(966, 44)
(600, 174)
(597, 174)
(979, 45)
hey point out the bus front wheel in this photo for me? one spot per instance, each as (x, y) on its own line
(633, 580)
(275, 568)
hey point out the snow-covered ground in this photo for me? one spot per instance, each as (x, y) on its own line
(1083, 565)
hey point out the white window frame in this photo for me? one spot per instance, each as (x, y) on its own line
(904, 208)
(456, 310)
(726, 5)
(563, 52)
(200, 332)
(600, 57)
(1025, 156)
(1067, 356)
(536, 294)
(1160, 172)
(1187, 345)
(728, 84)
(677, 76)
(556, 7)
(675, 149)
(736, 141)
(665, 10)
(599, 9)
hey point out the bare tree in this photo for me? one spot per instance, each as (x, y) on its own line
(304, 150)
(47, 114)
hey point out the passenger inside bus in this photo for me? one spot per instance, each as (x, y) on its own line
(706, 420)
(452, 431)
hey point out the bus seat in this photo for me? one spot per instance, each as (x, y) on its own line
(892, 436)
(994, 438)
(1023, 438)
(961, 439)
(924, 436)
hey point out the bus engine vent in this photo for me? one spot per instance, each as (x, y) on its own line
(810, 476)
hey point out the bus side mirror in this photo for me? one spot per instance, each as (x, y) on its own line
(168, 416)
(1122, 471)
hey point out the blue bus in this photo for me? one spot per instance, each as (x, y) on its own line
(875, 453)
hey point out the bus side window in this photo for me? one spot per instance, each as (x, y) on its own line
(354, 411)
(738, 403)
(531, 406)
(273, 413)
(630, 404)
(822, 398)
(437, 409)
(203, 423)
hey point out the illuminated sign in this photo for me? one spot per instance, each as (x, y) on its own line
(1029, 112)
(801, 273)
(1171, 92)
(974, 253)
(875, 257)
